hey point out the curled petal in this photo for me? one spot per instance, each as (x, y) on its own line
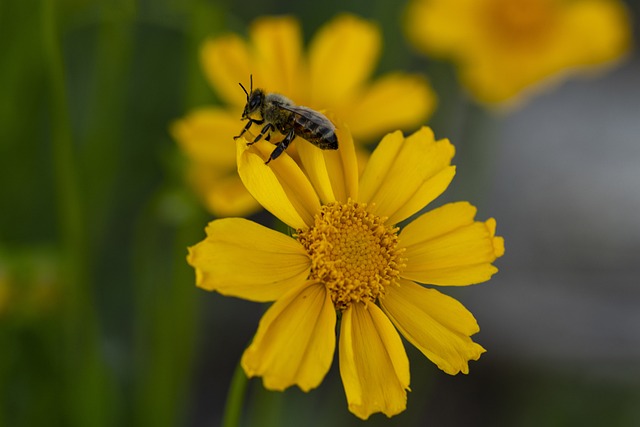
(373, 364)
(243, 259)
(281, 186)
(405, 174)
(438, 325)
(447, 247)
(333, 173)
(295, 341)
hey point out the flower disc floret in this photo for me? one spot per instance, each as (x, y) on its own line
(353, 253)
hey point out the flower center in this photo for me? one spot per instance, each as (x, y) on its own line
(520, 23)
(352, 252)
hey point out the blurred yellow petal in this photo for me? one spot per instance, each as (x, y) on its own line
(206, 135)
(440, 26)
(407, 174)
(333, 173)
(277, 43)
(223, 194)
(373, 364)
(599, 29)
(438, 325)
(280, 187)
(226, 62)
(447, 247)
(295, 341)
(508, 50)
(342, 56)
(395, 101)
(243, 259)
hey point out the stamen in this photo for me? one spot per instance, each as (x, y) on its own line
(352, 252)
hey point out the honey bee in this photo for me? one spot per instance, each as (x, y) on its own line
(279, 113)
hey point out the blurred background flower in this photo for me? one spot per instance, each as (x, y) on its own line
(29, 285)
(335, 75)
(505, 48)
(90, 172)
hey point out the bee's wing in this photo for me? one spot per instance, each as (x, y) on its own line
(309, 114)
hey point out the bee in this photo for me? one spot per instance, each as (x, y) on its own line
(276, 112)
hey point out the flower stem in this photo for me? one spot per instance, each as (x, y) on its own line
(88, 390)
(235, 398)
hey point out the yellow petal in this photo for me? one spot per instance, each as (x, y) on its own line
(599, 31)
(438, 325)
(281, 187)
(341, 57)
(223, 194)
(226, 62)
(277, 54)
(243, 259)
(498, 242)
(440, 27)
(333, 173)
(557, 38)
(406, 174)
(424, 194)
(379, 164)
(206, 135)
(395, 101)
(447, 247)
(373, 364)
(295, 341)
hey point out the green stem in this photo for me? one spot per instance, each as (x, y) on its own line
(235, 398)
(70, 211)
(108, 106)
(84, 370)
(205, 19)
(166, 315)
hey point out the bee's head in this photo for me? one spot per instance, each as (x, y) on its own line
(255, 99)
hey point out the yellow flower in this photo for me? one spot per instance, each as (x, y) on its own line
(505, 47)
(333, 75)
(347, 256)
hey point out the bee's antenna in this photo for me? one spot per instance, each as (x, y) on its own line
(245, 91)
(251, 87)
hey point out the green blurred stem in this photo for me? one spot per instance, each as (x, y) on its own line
(108, 106)
(235, 398)
(166, 315)
(83, 369)
(66, 174)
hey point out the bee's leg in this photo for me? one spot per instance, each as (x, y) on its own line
(264, 130)
(282, 145)
(246, 128)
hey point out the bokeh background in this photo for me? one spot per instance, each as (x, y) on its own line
(101, 323)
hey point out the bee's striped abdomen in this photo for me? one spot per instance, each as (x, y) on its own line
(320, 134)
